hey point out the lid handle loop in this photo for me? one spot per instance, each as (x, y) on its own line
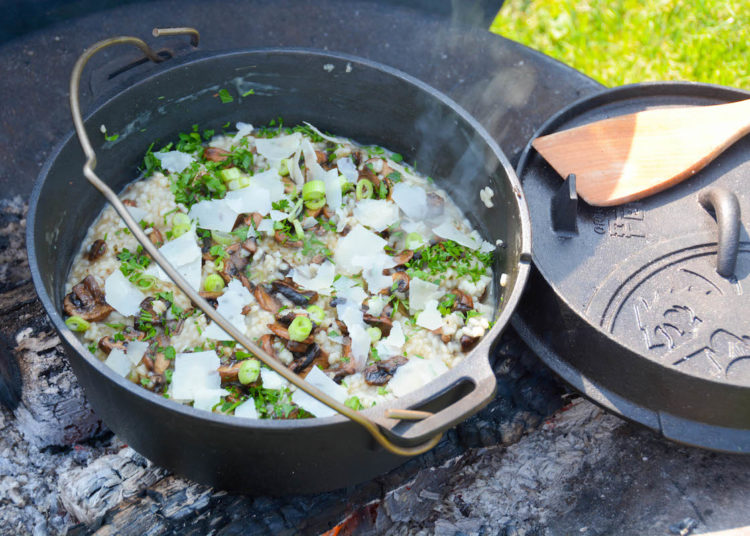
(724, 205)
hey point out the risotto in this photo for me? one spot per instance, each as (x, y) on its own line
(338, 259)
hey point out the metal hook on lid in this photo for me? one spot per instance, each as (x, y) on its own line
(726, 207)
(373, 428)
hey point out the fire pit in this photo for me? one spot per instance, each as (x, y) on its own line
(62, 470)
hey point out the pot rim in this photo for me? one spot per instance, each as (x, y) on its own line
(415, 398)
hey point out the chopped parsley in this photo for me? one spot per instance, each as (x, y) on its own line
(431, 261)
(225, 96)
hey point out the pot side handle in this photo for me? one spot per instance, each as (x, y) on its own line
(726, 207)
(406, 430)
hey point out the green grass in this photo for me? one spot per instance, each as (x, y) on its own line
(624, 41)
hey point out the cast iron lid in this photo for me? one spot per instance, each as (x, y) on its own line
(641, 306)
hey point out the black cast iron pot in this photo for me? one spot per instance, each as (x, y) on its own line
(344, 95)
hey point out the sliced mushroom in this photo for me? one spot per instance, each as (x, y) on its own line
(381, 372)
(403, 257)
(87, 301)
(382, 322)
(343, 370)
(235, 264)
(291, 291)
(210, 295)
(285, 239)
(253, 219)
(305, 360)
(296, 347)
(161, 363)
(215, 154)
(285, 317)
(156, 237)
(266, 342)
(467, 342)
(463, 302)
(400, 281)
(97, 249)
(229, 373)
(250, 245)
(107, 344)
(266, 300)
(129, 202)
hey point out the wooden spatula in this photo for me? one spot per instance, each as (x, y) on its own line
(633, 156)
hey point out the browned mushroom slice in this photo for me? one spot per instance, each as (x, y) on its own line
(253, 219)
(305, 359)
(161, 363)
(381, 372)
(266, 342)
(296, 347)
(400, 281)
(285, 239)
(87, 301)
(235, 264)
(281, 331)
(250, 245)
(156, 237)
(292, 292)
(210, 294)
(229, 373)
(97, 249)
(321, 156)
(463, 302)
(107, 344)
(467, 342)
(403, 257)
(265, 300)
(129, 202)
(215, 154)
(342, 370)
(382, 322)
(285, 317)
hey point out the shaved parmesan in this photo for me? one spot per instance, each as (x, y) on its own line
(358, 243)
(430, 318)
(420, 292)
(347, 169)
(174, 161)
(318, 378)
(415, 374)
(196, 378)
(333, 188)
(321, 282)
(411, 199)
(377, 214)
(348, 289)
(215, 214)
(326, 137)
(278, 148)
(184, 254)
(235, 297)
(448, 231)
(271, 181)
(350, 314)
(393, 344)
(119, 362)
(253, 198)
(372, 271)
(137, 213)
(246, 409)
(122, 294)
(265, 226)
(272, 379)
(135, 351)
(243, 129)
(376, 304)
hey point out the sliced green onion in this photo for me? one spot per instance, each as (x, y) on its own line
(242, 182)
(249, 371)
(225, 239)
(145, 282)
(213, 283)
(413, 241)
(315, 205)
(354, 403)
(231, 174)
(298, 228)
(364, 189)
(314, 191)
(180, 219)
(316, 313)
(300, 328)
(374, 333)
(76, 323)
(284, 167)
(346, 186)
(219, 264)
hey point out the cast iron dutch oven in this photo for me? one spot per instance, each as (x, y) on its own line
(350, 97)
